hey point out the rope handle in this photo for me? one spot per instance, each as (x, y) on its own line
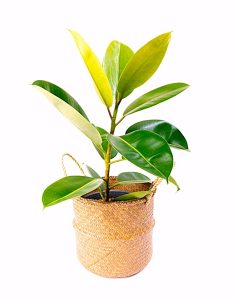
(74, 160)
(155, 183)
(153, 188)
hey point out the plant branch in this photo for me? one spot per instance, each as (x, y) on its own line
(117, 160)
(121, 119)
(109, 112)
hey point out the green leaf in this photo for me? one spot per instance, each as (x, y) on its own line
(131, 196)
(74, 116)
(68, 188)
(173, 181)
(95, 69)
(155, 97)
(104, 135)
(60, 93)
(132, 177)
(166, 130)
(94, 174)
(143, 64)
(116, 58)
(145, 149)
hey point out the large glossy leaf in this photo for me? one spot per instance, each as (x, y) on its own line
(60, 93)
(116, 58)
(168, 131)
(95, 69)
(145, 149)
(74, 116)
(132, 177)
(104, 135)
(68, 188)
(143, 64)
(155, 97)
(131, 196)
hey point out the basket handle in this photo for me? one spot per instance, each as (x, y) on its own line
(153, 188)
(74, 160)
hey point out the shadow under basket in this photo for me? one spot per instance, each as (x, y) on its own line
(114, 239)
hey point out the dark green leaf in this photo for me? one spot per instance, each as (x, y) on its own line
(103, 133)
(132, 177)
(69, 187)
(168, 131)
(143, 64)
(60, 93)
(155, 97)
(116, 58)
(131, 196)
(145, 149)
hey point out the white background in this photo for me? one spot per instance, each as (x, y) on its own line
(195, 234)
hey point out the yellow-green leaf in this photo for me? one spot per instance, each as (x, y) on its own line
(95, 69)
(131, 196)
(74, 116)
(174, 182)
(143, 64)
(116, 58)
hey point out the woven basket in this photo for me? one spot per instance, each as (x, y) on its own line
(114, 239)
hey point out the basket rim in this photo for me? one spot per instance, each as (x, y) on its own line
(102, 202)
(121, 202)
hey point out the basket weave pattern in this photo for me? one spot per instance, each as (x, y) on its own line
(114, 239)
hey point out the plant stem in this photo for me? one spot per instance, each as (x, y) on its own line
(108, 154)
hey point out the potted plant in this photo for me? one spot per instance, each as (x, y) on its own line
(114, 214)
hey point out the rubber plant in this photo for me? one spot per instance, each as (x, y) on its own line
(146, 144)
